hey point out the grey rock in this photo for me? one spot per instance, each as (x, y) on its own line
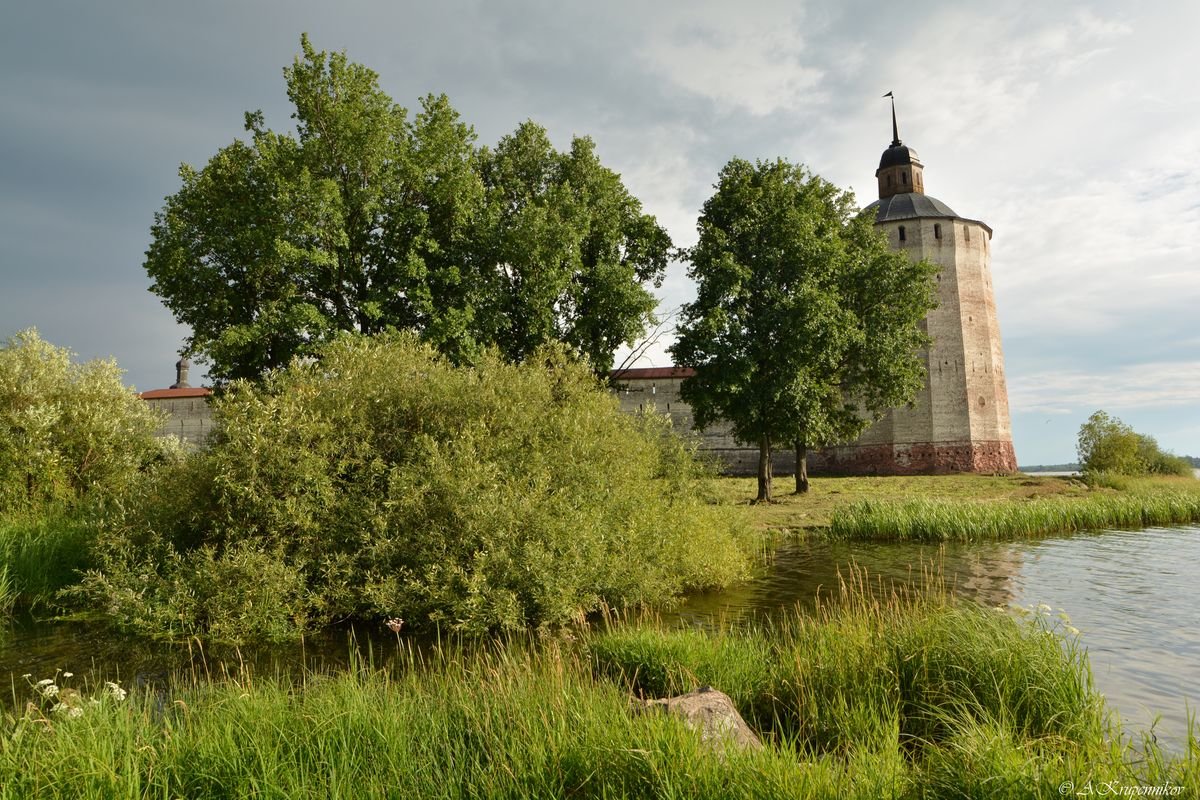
(712, 714)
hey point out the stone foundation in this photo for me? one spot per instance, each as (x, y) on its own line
(657, 389)
(939, 458)
(934, 458)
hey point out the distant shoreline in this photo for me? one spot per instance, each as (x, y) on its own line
(1063, 468)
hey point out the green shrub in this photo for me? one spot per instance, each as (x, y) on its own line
(67, 430)
(381, 481)
(1107, 445)
(1160, 463)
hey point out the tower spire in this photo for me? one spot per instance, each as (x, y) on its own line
(895, 130)
(899, 169)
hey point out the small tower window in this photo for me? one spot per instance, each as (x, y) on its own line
(904, 177)
(890, 180)
(967, 232)
(902, 236)
(937, 230)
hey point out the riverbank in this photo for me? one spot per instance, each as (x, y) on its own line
(920, 695)
(930, 508)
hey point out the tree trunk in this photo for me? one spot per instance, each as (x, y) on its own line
(764, 470)
(801, 467)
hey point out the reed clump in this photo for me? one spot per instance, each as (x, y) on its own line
(932, 520)
(875, 670)
(41, 554)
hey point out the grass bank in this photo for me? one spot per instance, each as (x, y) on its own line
(945, 520)
(917, 696)
(932, 508)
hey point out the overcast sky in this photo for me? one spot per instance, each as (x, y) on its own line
(1073, 129)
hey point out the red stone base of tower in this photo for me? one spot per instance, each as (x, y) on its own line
(933, 458)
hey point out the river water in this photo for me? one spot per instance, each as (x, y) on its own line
(1131, 594)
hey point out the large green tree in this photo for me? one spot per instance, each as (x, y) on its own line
(364, 220)
(568, 250)
(806, 327)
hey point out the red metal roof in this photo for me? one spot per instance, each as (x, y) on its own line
(166, 394)
(649, 373)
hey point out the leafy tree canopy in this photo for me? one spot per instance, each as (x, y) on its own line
(806, 326)
(364, 219)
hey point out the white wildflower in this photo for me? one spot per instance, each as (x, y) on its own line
(1071, 629)
(1043, 608)
(44, 682)
(49, 690)
(115, 691)
(72, 712)
(68, 674)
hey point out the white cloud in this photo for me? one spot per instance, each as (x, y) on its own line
(749, 57)
(1151, 385)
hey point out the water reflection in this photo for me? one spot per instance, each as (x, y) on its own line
(98, 653)
(802, 572)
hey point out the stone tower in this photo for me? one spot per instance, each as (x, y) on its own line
(960, 422)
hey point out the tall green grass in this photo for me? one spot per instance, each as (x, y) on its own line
(910, 669)
(511, 722)
(904, 697)
(941, 520)
(43, 553)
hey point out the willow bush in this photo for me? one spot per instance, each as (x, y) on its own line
(73, 437)
(381, 481)
(67, 429)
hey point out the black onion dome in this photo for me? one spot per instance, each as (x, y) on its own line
(898, 155)
(910, 205)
